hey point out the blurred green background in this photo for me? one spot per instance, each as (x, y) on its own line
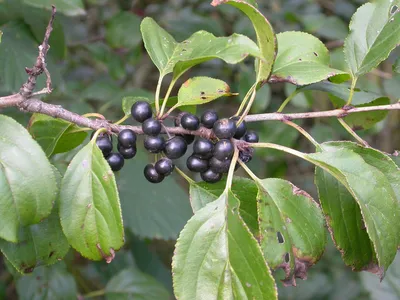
(97, 58)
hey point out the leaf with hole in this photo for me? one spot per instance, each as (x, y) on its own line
(27, 182)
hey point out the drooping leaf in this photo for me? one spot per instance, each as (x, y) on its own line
(374, 33)
(55, 135)
(47, 283)
(302, 59)
(133, 284)
(216, 257)
(27, 182)
(90, 211)
(266, 39)
(67, 7)
(201, 90)
(292, 233)
(123, 30)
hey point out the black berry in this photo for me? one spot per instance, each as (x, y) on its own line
(151, 127)
(127, 153)
(220, 166)
(175, 147)
(241, 129)
(178, 118)
(210, 176)
(116, 161)
(196, 164)
(225, 128)
(246, 156)
(164, 166)
(127, 138)
(203, 148)
(223, 150)
(190, 122)
(208, 118)
(151, 174)
(154, 144)
(105, 145)
(141, 111)
(251, 137)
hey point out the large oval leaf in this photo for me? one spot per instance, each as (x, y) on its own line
(27, 182)
(216, 257)
(89, 205)
(374, 33)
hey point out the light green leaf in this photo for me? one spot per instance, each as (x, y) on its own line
(266, 39)
(201, 90)
(55, 135)
(302, 59)
(90, 212)
(123, 30)
(47, 283)
(292, 233)
(216, 257)
(133, 284)
(374, 33)
(27, 182)
(66, 7)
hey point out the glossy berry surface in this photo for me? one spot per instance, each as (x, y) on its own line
(164, 166)
(203, 148)
(251, 137)
(190, 122)
(241, 129)
(105, 145)
(210, 176)
(127, 138)
(177, 120)
(116, 161)
(225, 128)
(208, 118)
(127, 153)
(196, 164)
(141, 111)
(154, 144)
(223, 150)
(175, 147)
(220, 166)
(151, 174)
(151, 127)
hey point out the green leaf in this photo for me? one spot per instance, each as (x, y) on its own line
(374, 33)
(90, 212)
(48, 283)
(245, 190)
(371, 189)
(302, 59)
(27, 182)
(216, 257)
(66, 7)
(122, 30)
(292, 233)
(201, 90)
(330, 27)
(133, 284)
(266, 39)
(55, 135)
(396, 65)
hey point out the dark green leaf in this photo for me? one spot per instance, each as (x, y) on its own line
(123, 30)
(27, 182)
(67, 7)
(89, 206)
(133, 284)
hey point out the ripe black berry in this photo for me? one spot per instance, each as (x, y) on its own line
(246, 156)
(127, 153)
(116, 161)
(241, 129)
(251, 137)
(154, 144)
(203, 148)
(105, 145)
(151, 127)
(175, 147)
(190, 122)
(225, 128)
(141, 111)
(220, 166)
(164, 166)
(223, 150)
(177, 120)
(151, 174)
(210, 176)
(208, 118)
(196, 164)
(127, 138)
